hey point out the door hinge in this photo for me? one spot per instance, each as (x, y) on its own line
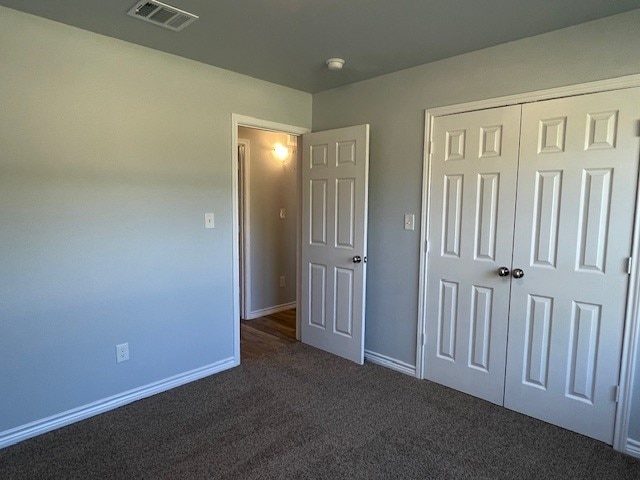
(616, 393)
(422, 339)
(430, 148)
(426, 246)
(629, 264)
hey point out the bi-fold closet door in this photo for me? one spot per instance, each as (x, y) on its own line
(530, 230)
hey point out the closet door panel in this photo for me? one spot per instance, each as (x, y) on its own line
(574, 219)
(474, 163)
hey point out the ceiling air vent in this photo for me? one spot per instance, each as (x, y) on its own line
(162, 15)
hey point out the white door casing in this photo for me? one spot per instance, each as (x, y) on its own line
(236, 121)
(334, 234)
(474, 161)
(573, 236)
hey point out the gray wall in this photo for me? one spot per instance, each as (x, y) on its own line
(110, 155)
(272, 186)
(394, 106)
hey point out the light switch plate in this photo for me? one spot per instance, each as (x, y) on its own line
(209, 220)
(409, 221)
(283, 213)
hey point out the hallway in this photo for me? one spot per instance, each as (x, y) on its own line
(267, 335)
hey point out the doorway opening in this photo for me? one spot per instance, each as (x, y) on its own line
(331, 235)
(268, 207)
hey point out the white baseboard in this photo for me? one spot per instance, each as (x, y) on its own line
(633, 447)
(389, 362)
(270, 310)
(44, 425)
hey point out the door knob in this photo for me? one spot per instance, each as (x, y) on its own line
(503, 272)
(517, 273)
(357, 259)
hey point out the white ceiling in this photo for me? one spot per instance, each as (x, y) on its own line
(287, 41)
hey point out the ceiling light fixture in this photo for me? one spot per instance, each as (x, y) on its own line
(335, 63)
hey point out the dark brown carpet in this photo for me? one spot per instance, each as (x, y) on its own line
(305, 414)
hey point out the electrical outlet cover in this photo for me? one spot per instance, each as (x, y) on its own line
(122, 352)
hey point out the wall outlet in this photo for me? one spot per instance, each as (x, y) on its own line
(283, 213)
(282, 281)
(122, 352)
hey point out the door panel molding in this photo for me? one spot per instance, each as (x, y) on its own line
(552, 140)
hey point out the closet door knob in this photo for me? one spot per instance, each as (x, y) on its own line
(517, 273)
(503, 272)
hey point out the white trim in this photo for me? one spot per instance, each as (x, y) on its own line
(631, 342)
(260, 124)
(235, 239)
(632, 447)
(244, 234)
(299, 152)
(270, 310)
(236, 121)
(424, 235)
(29, 430)
(388, 362)
(628, 81)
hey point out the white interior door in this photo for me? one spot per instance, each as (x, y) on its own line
(574, 221)
(474, 162)
(334, 240)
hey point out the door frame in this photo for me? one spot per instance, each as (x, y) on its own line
(244, 233)
(238, 120)
(631, 339)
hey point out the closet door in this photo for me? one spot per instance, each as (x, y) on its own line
(474, 163)
(574, 220)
